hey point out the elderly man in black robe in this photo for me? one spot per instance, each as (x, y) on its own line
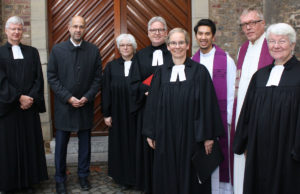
(74, 75)
(22, 161)
(148, 60)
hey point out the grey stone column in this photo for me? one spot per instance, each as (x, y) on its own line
(39, 39)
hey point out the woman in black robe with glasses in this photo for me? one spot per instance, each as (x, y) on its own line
(116, 105)
(181, 117)
(268, 129)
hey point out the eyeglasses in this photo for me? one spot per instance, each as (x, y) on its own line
(78, 26)
(16, 29)
(250, 24)
(174, 44)
(125, 45)
(280, 42)
(158, 30)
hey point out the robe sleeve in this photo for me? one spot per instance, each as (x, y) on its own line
(37, 90)
(296, 147)
(106, 91)
(9, 95)
(151, 106)
(52, 74)
(138, 89)
(240, 141)
(96, 84)
(208, 123)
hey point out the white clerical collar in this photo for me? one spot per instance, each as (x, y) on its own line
(178, 70)
(76, 45)
(259, 40)
(275, 75)
(211, 52)
(157, 58)
(17, 53)
(127, 65)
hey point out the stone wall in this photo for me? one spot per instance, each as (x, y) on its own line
(287, 11)
(225, 13)
(20, 8)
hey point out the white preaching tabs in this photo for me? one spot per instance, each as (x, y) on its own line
(157, 58)
(17, 53)
(178, 70)
(127, 65)
(275, 75)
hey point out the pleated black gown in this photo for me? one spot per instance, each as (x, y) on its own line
(269, 129)
(22, 160)
(180, 116)
(139, 72)
(116, 103)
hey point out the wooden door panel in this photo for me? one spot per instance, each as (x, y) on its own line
(106, 19)
(99, 16)
(177, 13)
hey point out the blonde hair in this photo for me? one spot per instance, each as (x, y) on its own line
(180, 30)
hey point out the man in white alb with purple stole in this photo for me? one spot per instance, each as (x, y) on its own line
(252, 56)
(222, 70)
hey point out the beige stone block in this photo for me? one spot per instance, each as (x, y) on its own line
(47, 131)
(38, 9)
(39, 34)
(46, 86)
(39, 38)
(200, 8)
(43, 55)
(45, 117)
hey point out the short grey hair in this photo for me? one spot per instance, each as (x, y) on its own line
(180, 30)
(255, 9)
(128, 37)
(282, 29)
(14, 20)
(157, 19)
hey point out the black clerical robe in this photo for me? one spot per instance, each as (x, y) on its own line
(116, 103)
(22, 161)
(180, 116)
(269, 129)
(138, 73)
(144, 69)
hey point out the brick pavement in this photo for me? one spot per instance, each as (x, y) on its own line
(98, 178)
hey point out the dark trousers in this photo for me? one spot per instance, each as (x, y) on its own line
(84, 153)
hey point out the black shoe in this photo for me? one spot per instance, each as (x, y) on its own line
(61, 188)
(2, 192)
(84, 184)
(28, 190)
(125, 187)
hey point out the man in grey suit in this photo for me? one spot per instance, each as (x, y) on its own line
(74, 75)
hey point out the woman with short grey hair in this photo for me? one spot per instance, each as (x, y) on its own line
(116, 105)
(129, 38)
(268, 130)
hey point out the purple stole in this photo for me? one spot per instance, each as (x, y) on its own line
(264, 60)
(219, 79)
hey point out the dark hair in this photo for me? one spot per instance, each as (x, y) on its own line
(206, 22)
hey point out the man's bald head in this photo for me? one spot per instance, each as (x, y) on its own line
(76, 18)
(77, 28)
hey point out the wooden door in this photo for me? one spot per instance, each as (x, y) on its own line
(106, 19)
